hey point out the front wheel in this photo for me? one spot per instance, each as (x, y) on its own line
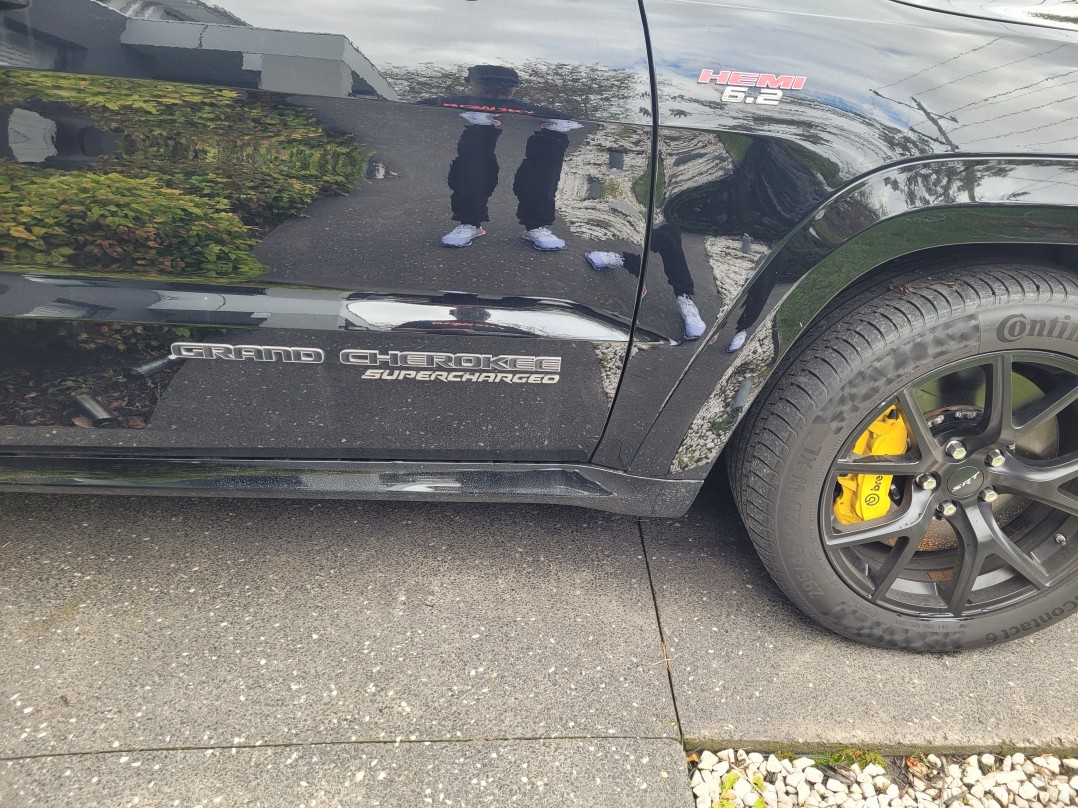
(910, 478)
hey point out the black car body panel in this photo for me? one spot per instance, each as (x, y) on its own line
(352, 275)
(764, 194)
(289, 188)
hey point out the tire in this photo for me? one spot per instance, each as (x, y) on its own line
(985, 354)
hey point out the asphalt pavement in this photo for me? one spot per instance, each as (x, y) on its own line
(160, 651)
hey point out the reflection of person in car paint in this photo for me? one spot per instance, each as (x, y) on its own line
(666, 241)
(473, 175)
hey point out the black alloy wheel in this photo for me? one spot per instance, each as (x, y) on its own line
(981, 516)
(975, 540)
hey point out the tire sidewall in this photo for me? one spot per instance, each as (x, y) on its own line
(895, 363)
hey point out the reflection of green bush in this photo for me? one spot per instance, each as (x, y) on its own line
(35, 340)
(227, 152)
(78, 218)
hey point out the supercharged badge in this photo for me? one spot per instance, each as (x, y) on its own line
(446, 367)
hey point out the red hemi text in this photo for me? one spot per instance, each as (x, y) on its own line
(738, 79)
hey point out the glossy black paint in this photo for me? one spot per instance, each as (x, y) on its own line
(915, 130)
(765, 197)
(396, 153)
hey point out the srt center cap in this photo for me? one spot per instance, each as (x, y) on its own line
(964, 481)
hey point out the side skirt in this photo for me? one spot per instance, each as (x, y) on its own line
(569, 484)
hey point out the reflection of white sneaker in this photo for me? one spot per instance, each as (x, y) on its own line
(737, 342)
(543, 239)
(561, 125)
(462, 235)
(604, 260)
(694, 325)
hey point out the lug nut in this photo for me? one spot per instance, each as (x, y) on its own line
(989, 495)
(955, 450)
(1061, 539)
(948, 508)
(995, 458)
(927, 481)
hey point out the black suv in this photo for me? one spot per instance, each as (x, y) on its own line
(568, 252)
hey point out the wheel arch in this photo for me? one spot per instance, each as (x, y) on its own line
(913, 212)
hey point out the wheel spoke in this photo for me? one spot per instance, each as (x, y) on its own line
(1033, 415)
(981, 537)
(875, 465)
(912, 524)
(897, 562)
(1043, 481)
(999, 405)
(915, 421)
(970, 562)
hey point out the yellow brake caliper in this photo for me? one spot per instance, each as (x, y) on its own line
(867, 496)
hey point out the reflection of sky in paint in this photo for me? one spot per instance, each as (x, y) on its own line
(973, 72)
(1058, 13)
(388, 314)
(488, 31)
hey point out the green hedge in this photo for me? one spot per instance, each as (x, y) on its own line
(54, 218)
(195, 167)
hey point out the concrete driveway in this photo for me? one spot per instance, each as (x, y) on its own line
(244, 652)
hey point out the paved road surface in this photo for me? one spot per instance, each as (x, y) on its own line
(299, 653)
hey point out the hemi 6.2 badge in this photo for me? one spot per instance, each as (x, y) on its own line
(740, 87)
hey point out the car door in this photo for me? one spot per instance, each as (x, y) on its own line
(224, 230)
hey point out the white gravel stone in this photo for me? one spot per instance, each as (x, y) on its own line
(707, 760)
(742, 788)
(936, 781)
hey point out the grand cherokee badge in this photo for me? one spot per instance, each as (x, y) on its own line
(446, 367)
(258, 353)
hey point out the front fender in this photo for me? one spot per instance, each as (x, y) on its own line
(897, 211)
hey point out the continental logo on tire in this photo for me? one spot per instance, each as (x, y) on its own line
(1018, 326)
